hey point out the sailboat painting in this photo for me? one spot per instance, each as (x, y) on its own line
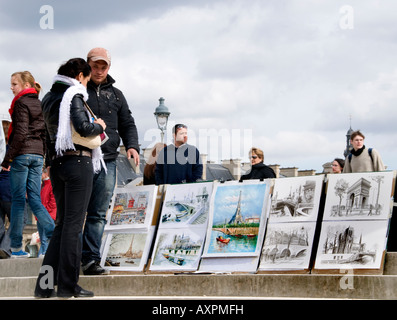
(237, 219)
(126, 250)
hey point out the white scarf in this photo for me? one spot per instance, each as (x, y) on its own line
(64, 134)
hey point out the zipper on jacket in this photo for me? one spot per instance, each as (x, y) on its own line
(98, 89)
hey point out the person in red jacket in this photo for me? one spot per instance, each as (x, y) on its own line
(48, 201)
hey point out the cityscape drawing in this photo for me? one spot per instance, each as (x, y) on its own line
(287, 246)
(359, 196)
(354, 244)
(296, 199)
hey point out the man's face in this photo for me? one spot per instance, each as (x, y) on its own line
(357, 142)
(99, 71)
(180, 136)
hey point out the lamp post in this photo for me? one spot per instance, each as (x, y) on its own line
(161, 113)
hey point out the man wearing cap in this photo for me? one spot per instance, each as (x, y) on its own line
(108, 103)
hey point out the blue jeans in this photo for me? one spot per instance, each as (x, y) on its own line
(25, 179)
(102, 192)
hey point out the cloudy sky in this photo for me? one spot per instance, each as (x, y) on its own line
(284, 76)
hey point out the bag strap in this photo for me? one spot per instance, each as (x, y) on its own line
(89, 110)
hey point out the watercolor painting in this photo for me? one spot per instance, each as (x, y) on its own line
(287, 246)
(178, 249)
(351, 244)
(296, 199)
(186, 204)
(237, 219)
(126, 250)
(131, 207)
(359, 196)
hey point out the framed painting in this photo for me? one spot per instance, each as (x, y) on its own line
(296, 199)
(177, 249)
(359, 196)
(131, 207)
(127, 250)
(186, 204)
(355, 244)
(287, 246)
(237, 219)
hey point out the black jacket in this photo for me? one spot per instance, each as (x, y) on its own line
(78, 116)
(259, 171)
(109, 104)
(28, 134)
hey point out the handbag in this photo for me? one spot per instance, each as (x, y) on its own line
(91, 142)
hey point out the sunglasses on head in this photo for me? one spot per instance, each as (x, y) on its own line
(178, 126)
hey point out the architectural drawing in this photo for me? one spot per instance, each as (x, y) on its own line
(351, 244)
(359, 196)
(287, 246)
(296, 199)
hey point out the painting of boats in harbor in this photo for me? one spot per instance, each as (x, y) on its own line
(132, 207)
(237, 219)
(351, 244)
(178, 249)
(186, 204)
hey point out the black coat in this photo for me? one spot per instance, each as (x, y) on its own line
(259, 171)
(51, 103)
(109, 104)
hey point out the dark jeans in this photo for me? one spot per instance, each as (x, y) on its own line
(5, 241)
(71, 178)
(102, 192)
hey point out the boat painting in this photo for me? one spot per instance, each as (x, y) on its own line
(237, 219)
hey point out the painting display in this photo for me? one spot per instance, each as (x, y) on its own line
(237, 219)
(296, 199)
(287, 246)
(292, 224)
(131, 207)
(351, 244)
(186, 205)
(182, 227)
(359, 196)
(178, 249)
(356, 220)
(127, 250)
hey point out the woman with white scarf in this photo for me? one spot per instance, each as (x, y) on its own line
(72, 170)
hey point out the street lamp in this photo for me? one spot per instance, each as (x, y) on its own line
(161, 113)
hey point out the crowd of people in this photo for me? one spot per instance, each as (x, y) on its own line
(69, 185)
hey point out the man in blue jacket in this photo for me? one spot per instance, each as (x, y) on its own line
(109, 104)
(178, 162)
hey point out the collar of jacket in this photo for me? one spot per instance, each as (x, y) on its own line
(109, 81)
(358, 152)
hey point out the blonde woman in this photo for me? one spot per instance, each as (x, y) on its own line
(24, 159)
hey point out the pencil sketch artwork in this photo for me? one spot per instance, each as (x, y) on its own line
(178, 249)
(125, 251)
(353, 244)
(132, 207)
(296, 199)
(287, 246)
(359, 196)
(237, 219)
(186, 204)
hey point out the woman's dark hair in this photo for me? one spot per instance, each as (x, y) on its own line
(73, 67)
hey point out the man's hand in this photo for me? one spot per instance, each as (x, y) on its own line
(132, 153)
